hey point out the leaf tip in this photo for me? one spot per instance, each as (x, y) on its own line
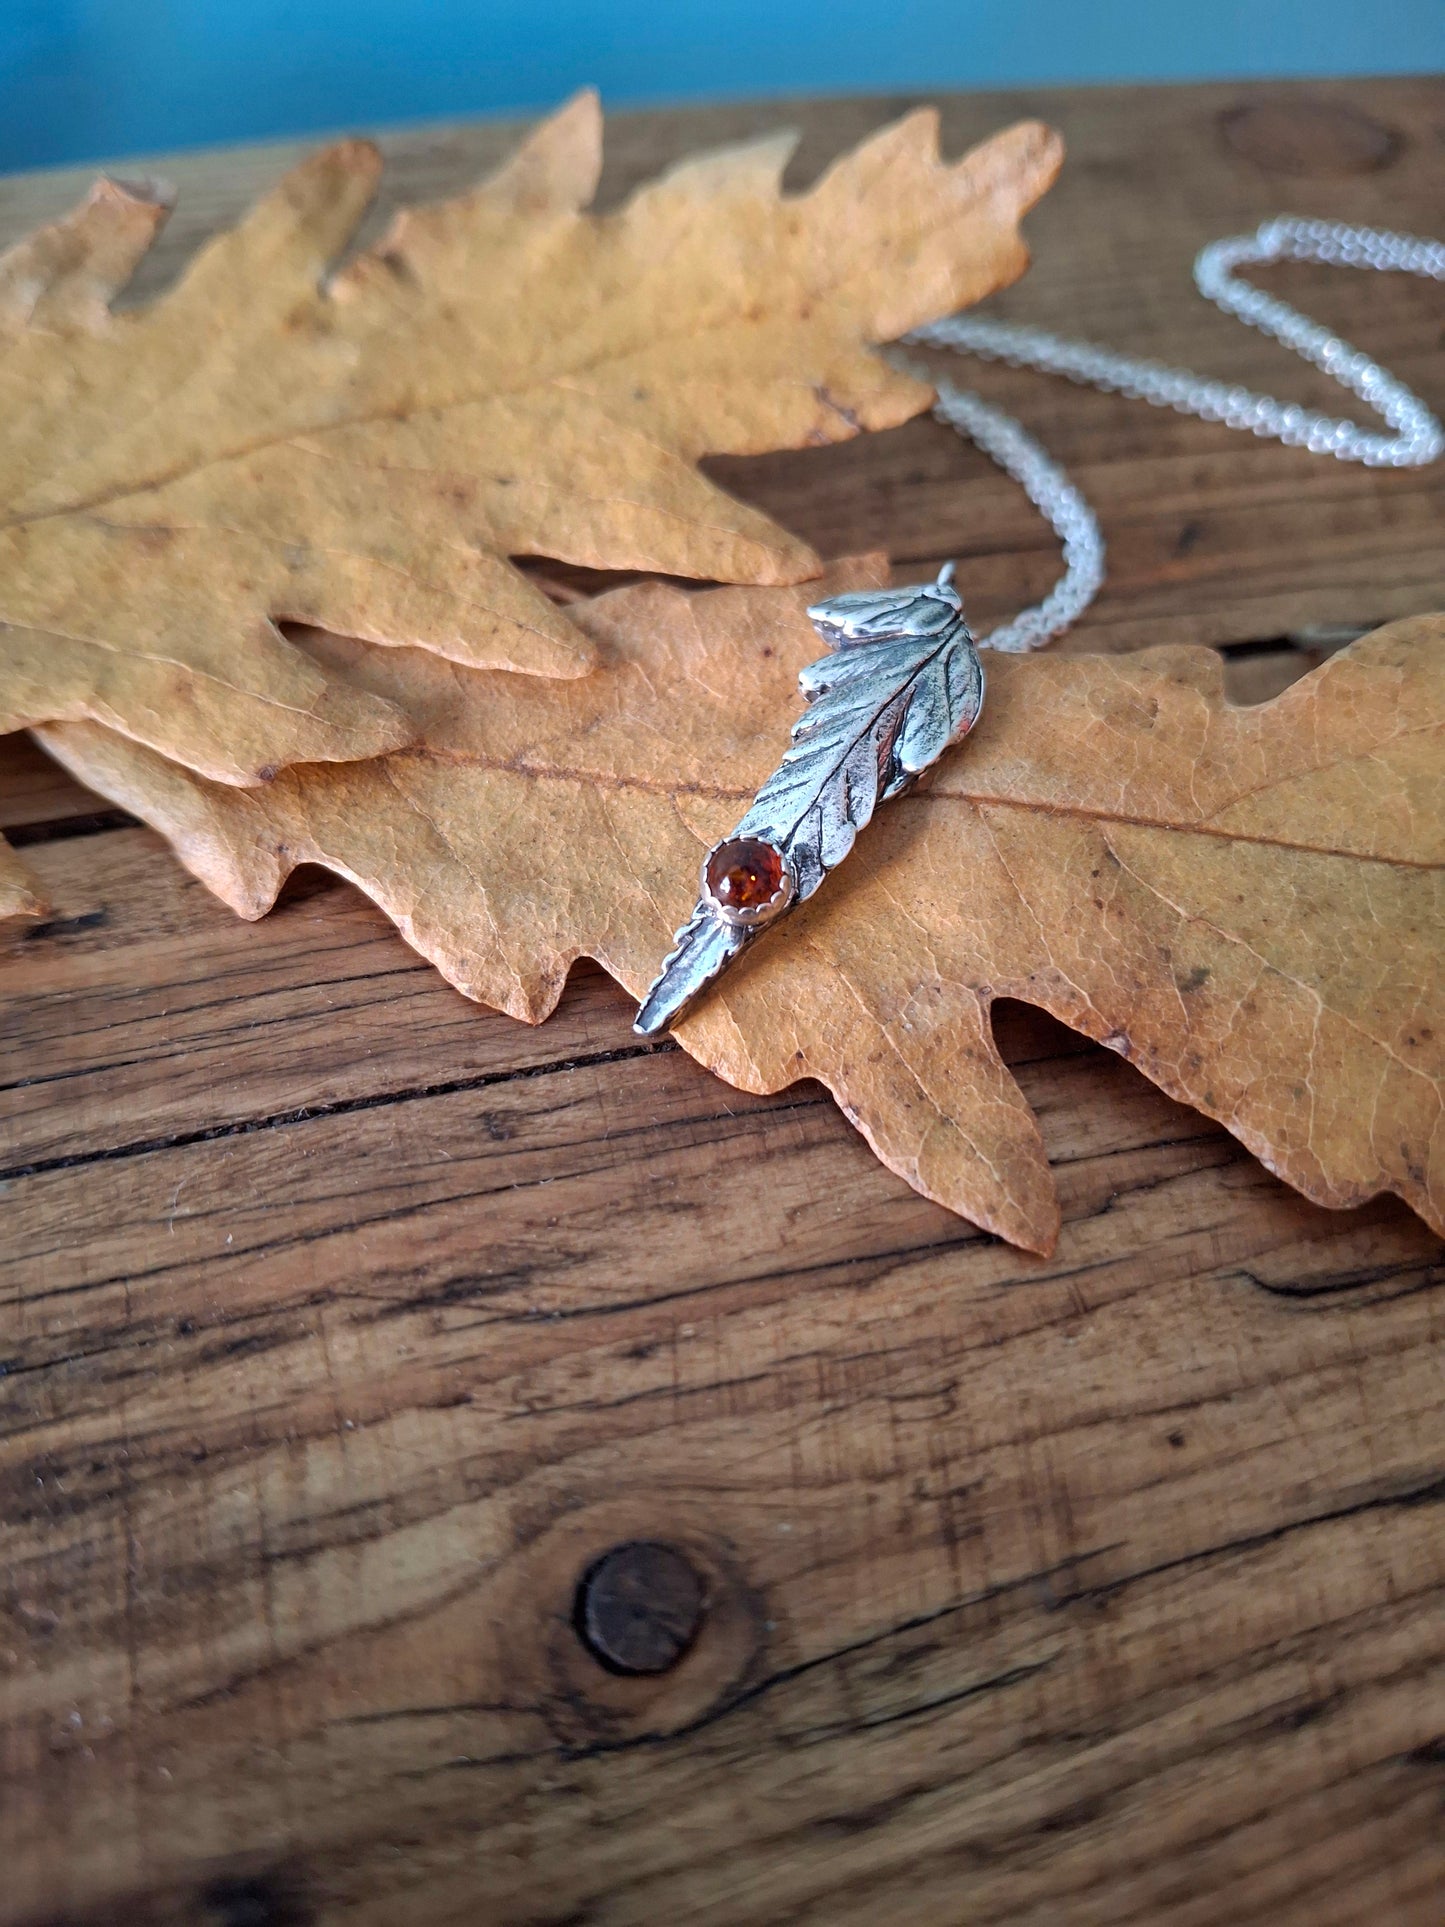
(352, 154)
(65, 274)
(329, 189)
(583, 109)
(783, 565)
(557, 167)
(563, 661)
(920, 128)
(1042, 1239)
(19, 896)
(146, 191)
(1021, 162)
(344, 725)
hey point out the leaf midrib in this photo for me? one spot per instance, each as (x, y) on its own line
(650, 786)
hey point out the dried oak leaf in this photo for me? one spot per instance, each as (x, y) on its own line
(504, 374)
(1244, 902)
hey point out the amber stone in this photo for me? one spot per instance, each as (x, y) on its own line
(745, 874)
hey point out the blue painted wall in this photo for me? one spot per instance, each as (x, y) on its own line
(85, 79)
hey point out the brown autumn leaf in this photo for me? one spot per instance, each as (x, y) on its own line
(1244, 902)
(20, 894)
(503, 374)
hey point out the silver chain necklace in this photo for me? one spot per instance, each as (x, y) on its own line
(904, 680)
(1417, 437)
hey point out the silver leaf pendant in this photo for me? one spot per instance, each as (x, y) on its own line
(903, 682)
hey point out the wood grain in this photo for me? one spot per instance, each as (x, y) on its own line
(343, 1325)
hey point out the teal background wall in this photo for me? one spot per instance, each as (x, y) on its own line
(85, 79)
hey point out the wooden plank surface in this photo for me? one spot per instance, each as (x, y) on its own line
(344, 1326)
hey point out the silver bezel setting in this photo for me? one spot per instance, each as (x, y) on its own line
(759, 913)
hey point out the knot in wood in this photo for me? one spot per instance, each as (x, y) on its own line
(639, 1607)
(1304, 137)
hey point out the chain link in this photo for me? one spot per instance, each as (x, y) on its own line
(1417, 436)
